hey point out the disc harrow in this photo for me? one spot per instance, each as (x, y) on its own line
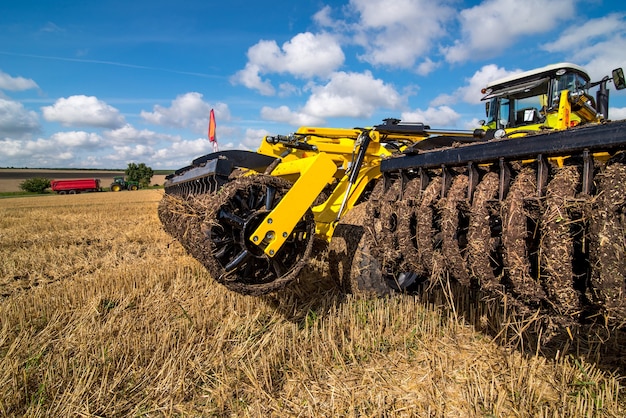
(563, 252)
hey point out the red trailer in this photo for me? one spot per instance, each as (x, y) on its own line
(74, 186)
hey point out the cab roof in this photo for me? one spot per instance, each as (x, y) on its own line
(537, 74)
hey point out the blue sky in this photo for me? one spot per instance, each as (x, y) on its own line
(88, 84)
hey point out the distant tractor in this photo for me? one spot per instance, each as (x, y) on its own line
(119, 183)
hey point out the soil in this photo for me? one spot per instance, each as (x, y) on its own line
(453, 207)
(557, 242)
(407, 227)
(480, 242)
(608, 248)
(430, 259)
(517, 237)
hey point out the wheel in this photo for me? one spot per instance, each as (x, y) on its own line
(232, 259)
(116, 187)
(134, 187)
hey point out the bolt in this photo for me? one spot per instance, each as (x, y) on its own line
(255, 239)
(285, 235)
(271, 252)
(270, 220)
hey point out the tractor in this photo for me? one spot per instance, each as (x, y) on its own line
(120, 183)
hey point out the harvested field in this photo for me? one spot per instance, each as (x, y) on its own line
(103, 314)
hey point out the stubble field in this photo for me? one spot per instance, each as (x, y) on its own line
(102, 314)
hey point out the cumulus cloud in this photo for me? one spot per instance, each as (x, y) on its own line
(128, 134)
(306, 55)
(41, 152)
(285, 115)
(494, 25)
(587, 32)
(83, 110)
(353, 95)
(76, 139)
(16, 120)
(397, 32)
(470, 92)
(180, 153)
(593, 44)
(253, 138)
(187, 111)
(250, 77)
(617, 113)
(15, 83)
(440, 117)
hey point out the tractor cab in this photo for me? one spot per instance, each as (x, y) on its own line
(552, 97)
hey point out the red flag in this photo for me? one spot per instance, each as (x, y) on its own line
(212, 136)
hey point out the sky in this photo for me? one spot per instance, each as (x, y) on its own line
(101, 84)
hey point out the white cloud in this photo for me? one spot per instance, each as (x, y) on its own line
(594, 44)
(249, 77)
(253, 138)
(494, 25)
(129, 134)
(323, 18)
(181, 153)
(16, 120)
(471, 91)
(76, 139)
(285, 115)
(83, 111)
(436, 117)
(617, 113)
(427, 66)
(356, 95)
(397, 32)
(187, 111)
(15, 152)
(581, 35)
(352, 94)
(15, 83)
(306, 55)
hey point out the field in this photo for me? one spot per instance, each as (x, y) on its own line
(102, 314)
(10, 178)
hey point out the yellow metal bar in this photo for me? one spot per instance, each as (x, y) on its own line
(315, 173)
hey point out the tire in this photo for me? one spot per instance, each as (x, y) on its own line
(116, 187)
